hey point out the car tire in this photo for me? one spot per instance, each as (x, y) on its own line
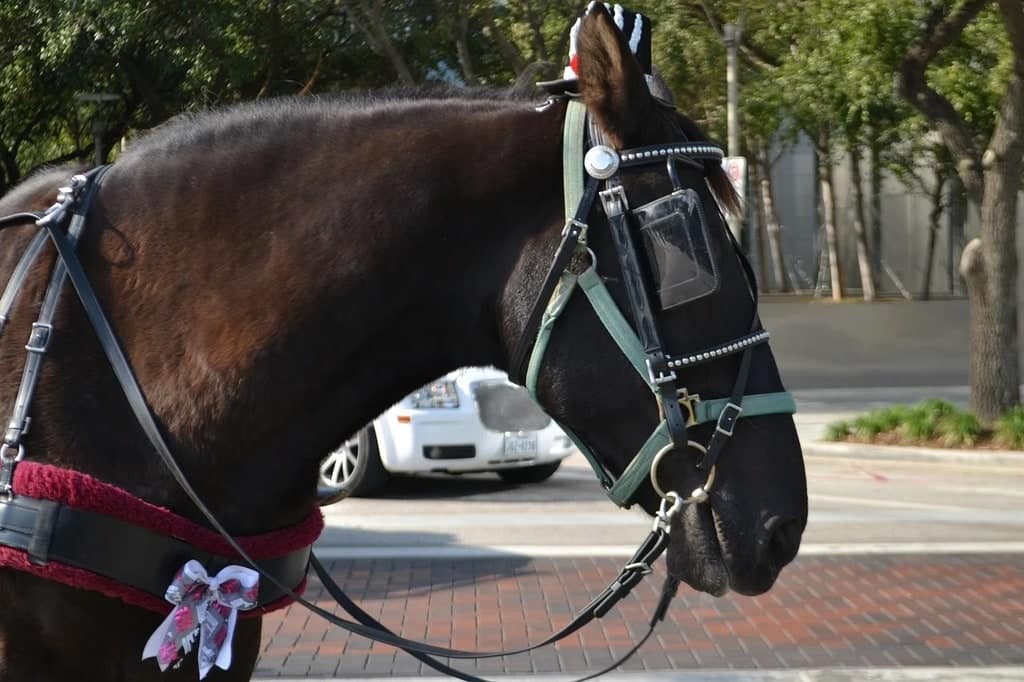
(353, 470)
(531, 474)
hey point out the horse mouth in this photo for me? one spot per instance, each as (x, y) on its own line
(695, 551)
(701, 554)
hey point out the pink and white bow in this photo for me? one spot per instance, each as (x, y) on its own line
(205, 606)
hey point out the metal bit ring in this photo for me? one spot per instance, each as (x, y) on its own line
(699, 494)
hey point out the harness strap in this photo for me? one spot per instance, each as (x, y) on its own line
(18, 277)
(11, 451)
(572, 148)
(614, 321)
(559, 299)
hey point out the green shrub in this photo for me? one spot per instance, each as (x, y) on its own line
(837, 431)
(931, 420)
(919, 425)
(960, 429)
(1010, 429)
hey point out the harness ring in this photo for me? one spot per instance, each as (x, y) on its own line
(699, 494)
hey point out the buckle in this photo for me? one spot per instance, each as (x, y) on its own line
(662, 378)
(39, 339)
(690, 403)
(614, 201)
(727, 420)
(581, 228)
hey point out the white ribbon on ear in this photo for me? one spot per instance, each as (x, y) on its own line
(205, 606)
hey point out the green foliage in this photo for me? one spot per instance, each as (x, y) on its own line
(806, 65)
(928, 422)
(837, 431)
(873, 423)
(960, 429)
(1010, 429)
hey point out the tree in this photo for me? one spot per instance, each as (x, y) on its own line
(989, 162)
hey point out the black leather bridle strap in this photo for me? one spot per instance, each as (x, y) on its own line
(16, 219)
(18, 277)
(661, 377)
(573, 234)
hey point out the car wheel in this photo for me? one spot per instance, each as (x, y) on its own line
(532, 474)
(353, 470)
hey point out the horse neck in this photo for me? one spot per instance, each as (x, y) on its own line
(271, 308)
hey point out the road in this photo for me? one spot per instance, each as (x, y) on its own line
(906, 569)
(854, 502)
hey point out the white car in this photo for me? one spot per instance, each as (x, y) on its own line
(471, 420)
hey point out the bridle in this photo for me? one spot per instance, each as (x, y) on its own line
(65, 220)
(640, 342)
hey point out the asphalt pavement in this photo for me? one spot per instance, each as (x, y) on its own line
(912, 565)
(906, 573)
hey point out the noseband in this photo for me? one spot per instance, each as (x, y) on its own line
(642, 346)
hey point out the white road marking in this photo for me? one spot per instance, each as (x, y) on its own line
(889, 503)
(605, 551)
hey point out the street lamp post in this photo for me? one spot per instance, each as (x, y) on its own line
(731, 35)
(99, 122)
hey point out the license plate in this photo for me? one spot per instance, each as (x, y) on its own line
(518, 445)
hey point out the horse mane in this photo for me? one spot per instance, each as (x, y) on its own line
(237, 121)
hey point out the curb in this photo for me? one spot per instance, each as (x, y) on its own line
(1005, 458)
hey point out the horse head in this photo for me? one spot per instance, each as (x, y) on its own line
(661, 334)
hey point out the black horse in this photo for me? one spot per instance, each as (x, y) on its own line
(279, 273)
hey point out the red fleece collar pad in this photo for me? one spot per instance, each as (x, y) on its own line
(83, 492)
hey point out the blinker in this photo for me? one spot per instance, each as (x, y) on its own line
(681, 260)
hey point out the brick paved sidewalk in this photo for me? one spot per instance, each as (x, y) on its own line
(849, 611)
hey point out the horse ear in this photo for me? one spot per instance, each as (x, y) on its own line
(611, 79)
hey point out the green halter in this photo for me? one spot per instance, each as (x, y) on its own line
(622, 490)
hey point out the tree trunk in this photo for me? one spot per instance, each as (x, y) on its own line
(828, 210)
(864, 263)
(957, 221)
(991, 180)
(762, 234)
(11, 174)
(460, 26)
(372, 24)
(875, 160)
(934, 223)
(989, 266)
(509, 52)
(772, 228)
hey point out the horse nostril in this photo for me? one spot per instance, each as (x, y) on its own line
(782, 540)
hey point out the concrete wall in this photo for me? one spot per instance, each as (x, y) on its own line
(899, 343)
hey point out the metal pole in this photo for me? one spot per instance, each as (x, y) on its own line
(731, 35)
(731, 32)
(99, 128)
